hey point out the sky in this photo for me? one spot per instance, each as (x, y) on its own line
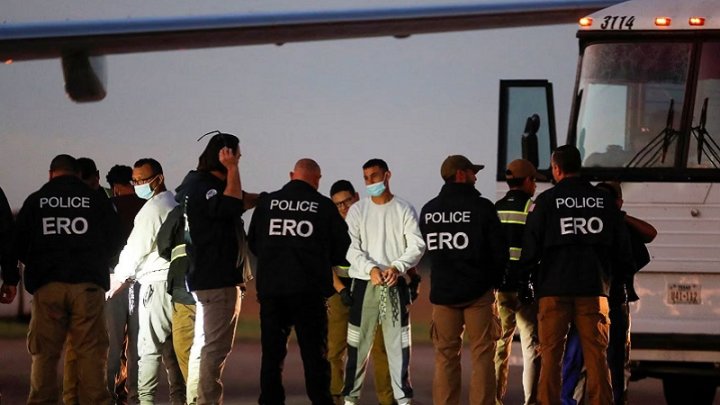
(411, 102)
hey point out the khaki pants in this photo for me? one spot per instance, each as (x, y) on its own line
(338, 315)
(479, 319)
(514, 315)
(183, 331)
(75, 312)
(216, 319)
(590, 315)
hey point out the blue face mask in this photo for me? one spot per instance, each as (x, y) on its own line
(376, 189)
(144, 191)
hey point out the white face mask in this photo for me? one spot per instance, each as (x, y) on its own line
(144, 191)
(376, 189)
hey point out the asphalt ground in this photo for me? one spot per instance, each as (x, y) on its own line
(242, 371)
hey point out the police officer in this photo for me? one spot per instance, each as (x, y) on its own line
(467, 252)
(297, 235)
(516, 307)
(65, 237)
(576, 234)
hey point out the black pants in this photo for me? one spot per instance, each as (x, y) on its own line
(617, 349)
(308, 314)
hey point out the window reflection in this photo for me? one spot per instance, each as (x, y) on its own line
(704, 151)
(631, 104)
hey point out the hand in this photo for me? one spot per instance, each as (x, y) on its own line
(390, 276)
(116, 287)
(346, 297)
(7, 293)
(228, 158)
(376, 277)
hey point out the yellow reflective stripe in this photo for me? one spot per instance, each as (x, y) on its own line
(528, 204)
(515, 253)
(342, 271)
(512, 217)
(178, 252)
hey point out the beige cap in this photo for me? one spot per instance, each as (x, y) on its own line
(521, 168)
(453, 163)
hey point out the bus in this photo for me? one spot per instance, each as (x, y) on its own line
(646, 112)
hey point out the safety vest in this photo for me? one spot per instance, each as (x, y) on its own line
(513, 212)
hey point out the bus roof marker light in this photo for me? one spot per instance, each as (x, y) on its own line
(8, 62)
(662, 21)
(585, 22)
(697, 21)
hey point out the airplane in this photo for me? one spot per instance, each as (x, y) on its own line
(82, 45)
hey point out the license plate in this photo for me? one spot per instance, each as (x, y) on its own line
(683, 293)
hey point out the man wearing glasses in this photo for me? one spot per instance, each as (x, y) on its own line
(139, 261)
(344, 196)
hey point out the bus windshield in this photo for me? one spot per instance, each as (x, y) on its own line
(632, 93)
(632, 97)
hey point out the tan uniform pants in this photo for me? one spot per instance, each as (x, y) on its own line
(75, 312)
(590, 315)
(514, 315)
(479, 319)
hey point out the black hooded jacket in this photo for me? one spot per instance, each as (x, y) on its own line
(212, 241)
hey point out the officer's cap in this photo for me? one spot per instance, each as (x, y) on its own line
(521, 168)
(453, 163)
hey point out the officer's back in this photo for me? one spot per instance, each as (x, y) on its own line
(577, 232)
(65, 232)
(297, 235)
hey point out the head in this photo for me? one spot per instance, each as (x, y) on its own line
(89, 173)
(63, 165)
(377, 177)
(459, 169)
(521, 175)
(308, 171)
(209, 160)
(565, 162)
(119, 177)
(148, 178)
(613, 188)
(343, 194)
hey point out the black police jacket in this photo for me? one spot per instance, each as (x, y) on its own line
(465, 244)
(212, 242)
(576, 233)
(66, 233)
(297, 235)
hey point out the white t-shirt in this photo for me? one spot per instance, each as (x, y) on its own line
(383, 235)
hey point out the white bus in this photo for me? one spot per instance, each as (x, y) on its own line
(646, 112)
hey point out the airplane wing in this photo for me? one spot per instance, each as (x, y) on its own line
(79, 42)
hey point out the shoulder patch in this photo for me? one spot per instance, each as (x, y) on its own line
(210, 193)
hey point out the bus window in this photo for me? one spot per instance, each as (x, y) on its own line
(631, 103)
(705, 136)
